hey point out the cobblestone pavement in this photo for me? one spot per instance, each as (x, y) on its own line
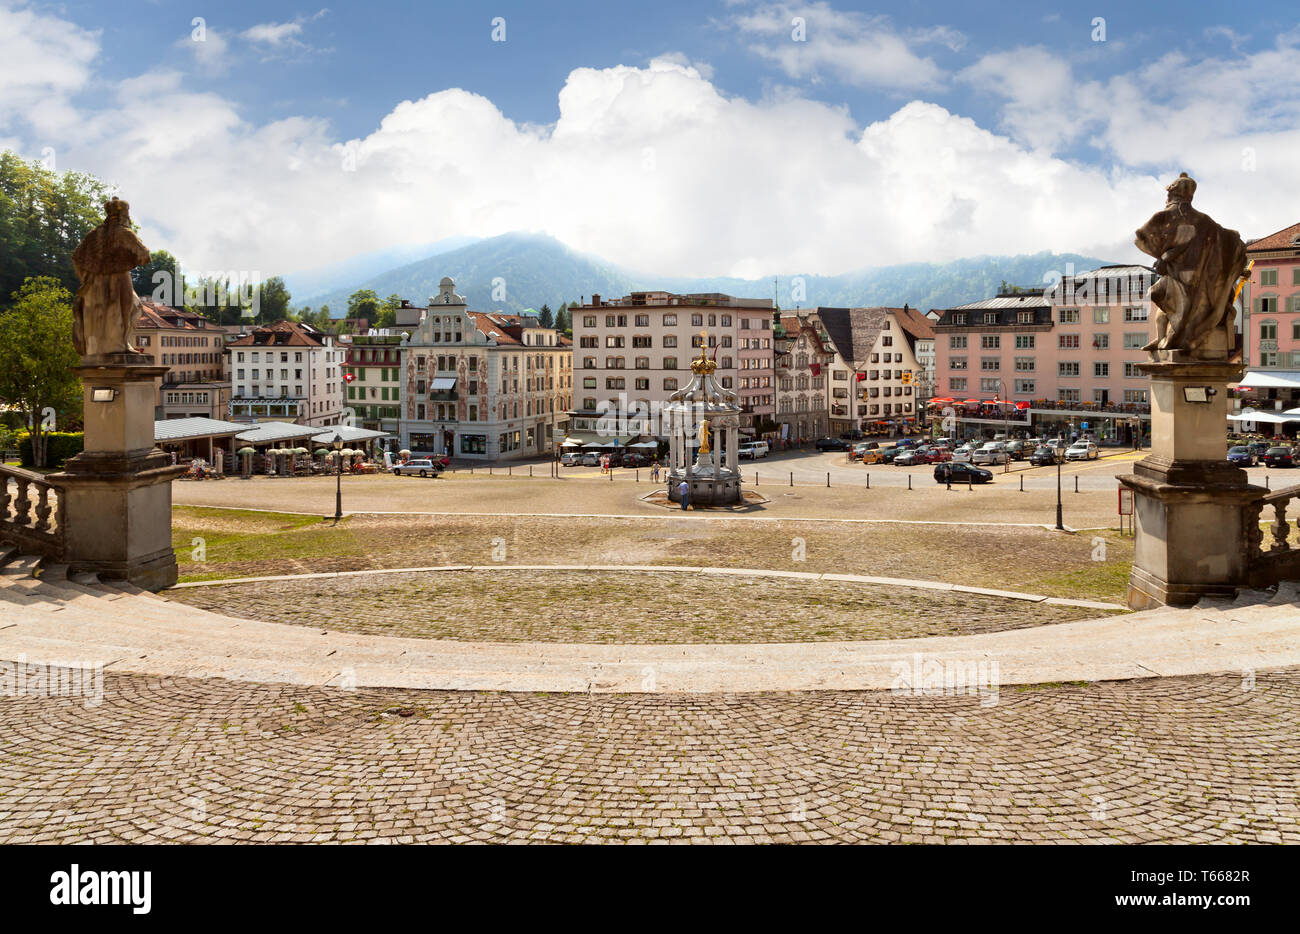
(1203, 758)
(620, 606)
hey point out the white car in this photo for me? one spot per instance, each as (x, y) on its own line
(570, 458)
(1082, 451)
(962, 455)
(421, 467)
(753, 450)
(995, 452)
(590, 460)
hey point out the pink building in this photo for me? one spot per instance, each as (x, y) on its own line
(1061, 357)
(1271, 323)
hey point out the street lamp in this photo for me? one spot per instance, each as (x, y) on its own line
(1060, 526)
(337, 444)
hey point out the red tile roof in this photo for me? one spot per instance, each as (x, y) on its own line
(154, 315)
(915, 323)
(280, 334)
(1284, 238)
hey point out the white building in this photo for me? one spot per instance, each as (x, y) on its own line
(285, 371)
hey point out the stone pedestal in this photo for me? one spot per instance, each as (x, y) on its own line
(1190, 541)
(117, 492)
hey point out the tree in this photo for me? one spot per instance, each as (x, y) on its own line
(166, 286)
(36, 357)
(546, 317)
(273, 304)
(562, 321)
(387, 315)
(364, 303)
(43, 216)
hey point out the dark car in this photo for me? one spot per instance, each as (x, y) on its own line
(1019, 450)
(1259, 448)
(832, 444)
(1044, 456)
(854, 435)
(961, 472)
(1241, 455)
(1278, 457)
(633, 459)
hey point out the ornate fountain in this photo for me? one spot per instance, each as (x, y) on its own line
(703, 422)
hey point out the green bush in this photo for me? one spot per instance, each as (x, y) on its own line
(59, 446)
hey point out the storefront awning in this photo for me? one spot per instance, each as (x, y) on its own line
(1271, 379)
(442, 384)
(1271, 418)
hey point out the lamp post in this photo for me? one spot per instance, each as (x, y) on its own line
(337, 444)
(1060, 526)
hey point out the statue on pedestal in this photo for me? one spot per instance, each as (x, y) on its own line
(106, 307)
(1199, 264)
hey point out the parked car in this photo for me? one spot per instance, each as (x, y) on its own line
(1020, 450)
(1045, 456)
(752, 450)
(633, 459)
(1259, 448)
(879, 456)
(993, 453)
(961, 473)
(1280, 456)
(832, 444)
(854, 435)
(1241, 455)
(590, 459)
(420, 467)
(1082, 451)
(856, 452)
(570, 458)
(963, 454)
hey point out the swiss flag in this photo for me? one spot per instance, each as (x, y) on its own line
(348, 377)
(816, 369)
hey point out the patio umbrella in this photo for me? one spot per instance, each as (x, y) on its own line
(404, 452)
(300, 450)
(320, 451)
(245, 451)
(1022, 405)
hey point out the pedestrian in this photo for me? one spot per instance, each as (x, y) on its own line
(684, 493)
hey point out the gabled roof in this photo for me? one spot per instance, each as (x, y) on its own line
(914, 323)
(179, 429)
(1285, 238)
(280, 334)
(854, 331)
(155, 316)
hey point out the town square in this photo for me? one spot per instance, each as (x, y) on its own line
(952, 504)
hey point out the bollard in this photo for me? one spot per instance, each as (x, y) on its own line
(611, 475)
(510, 470)
(970, 483)
(909, 481)
(530, 470)
(828, 478)
(1022, 483)
(792, 478)
(1076, 483)
(1266, 481)
(489, 470)
(868, 480)
(755, 478)
(638, 475)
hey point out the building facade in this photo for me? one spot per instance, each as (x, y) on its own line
(1058, 355)
(1271, 323)
(373, 376)
(871, 377)
(631, 354)
(286, 371)
(480, 385)
(803, 360)
(191, 347)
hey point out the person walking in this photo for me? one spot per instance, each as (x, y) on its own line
(684, 493)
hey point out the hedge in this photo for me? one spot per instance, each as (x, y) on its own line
(59, 446)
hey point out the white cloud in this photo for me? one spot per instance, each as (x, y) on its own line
(656, 169)
(43, 62)
(282, 38)
(210, 49)
(851, 47)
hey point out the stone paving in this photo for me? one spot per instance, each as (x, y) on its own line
(1199, 758)
(619, 606)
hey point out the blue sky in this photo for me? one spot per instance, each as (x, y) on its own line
(738, 139)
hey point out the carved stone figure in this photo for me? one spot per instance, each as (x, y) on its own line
(1199, 264)
(106, 308)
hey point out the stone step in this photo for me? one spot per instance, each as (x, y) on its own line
(20, 566)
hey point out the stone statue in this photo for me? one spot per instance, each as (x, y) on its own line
(106, 308)
(1199, 264)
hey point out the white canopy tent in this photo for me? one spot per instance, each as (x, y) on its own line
(1267, 418)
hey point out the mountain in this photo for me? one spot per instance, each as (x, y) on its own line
(523, 270)
(308, 285)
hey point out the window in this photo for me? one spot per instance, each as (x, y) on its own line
(957, 342)
(641, 321)
(1067, 341)
(956, 363)
(959, 318)
(1135, 396)
(643, 384)
(1295, 276)
(990, 317)
(697, 321)
(670, 383)
(670, 363)
(1067, 395)
(589, 382)
(1268, 277)
(1268, 330)
(1024, 386)
(990, 363)
(1067, 368)
(642, 340)
(1101, 370)
(643, 363)
(1024, 342)
(670, 321)
(990, 342)
(473, 444)
(957, 384)
(1135, 314)
(1135, 340)
(1266, 305)
(670, 340)
(1101, 316)
(1101, 341)
(1067, 316)
(588, 321)
(1025, 364)
(1131, 371)
(1024, 317)
(990, 385)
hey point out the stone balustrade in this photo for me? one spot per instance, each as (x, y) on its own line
(1278, 559)
(31, 512)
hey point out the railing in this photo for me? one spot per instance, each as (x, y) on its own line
(1279, 560)
(33, 519)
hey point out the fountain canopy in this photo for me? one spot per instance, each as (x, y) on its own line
(703, 422)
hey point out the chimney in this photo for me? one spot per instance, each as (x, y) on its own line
(595, 299)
